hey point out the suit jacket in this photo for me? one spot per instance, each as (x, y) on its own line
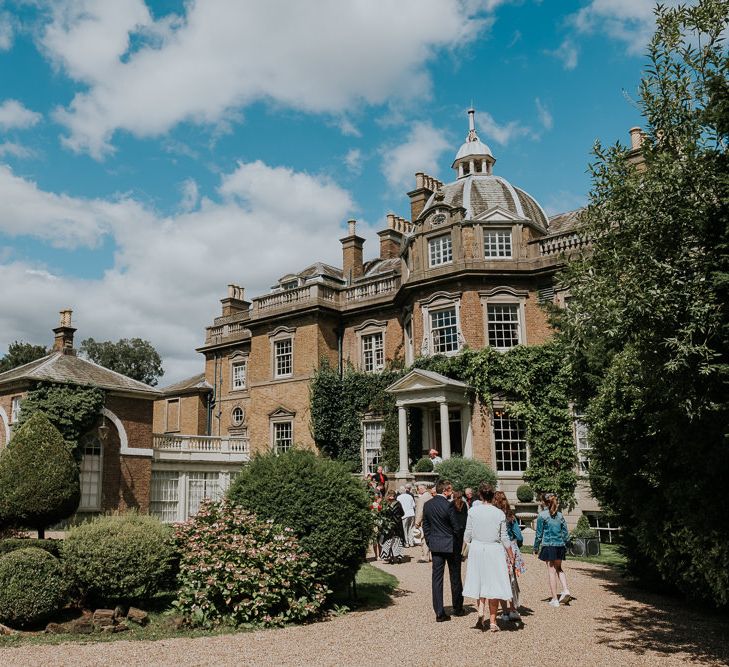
(440, 525)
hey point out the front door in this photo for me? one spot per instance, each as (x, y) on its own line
(454, 426)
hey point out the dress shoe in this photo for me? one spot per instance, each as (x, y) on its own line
(444, 617)
(459, 612)
(480, 625)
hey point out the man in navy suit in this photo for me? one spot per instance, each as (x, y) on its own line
(440, 527)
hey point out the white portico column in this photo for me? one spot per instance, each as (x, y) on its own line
(468, 440)
(402, 430)
(445, 432)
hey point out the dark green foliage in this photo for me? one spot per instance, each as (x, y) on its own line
(464, 473)
(32, 587)
(236, 570)
(20, 353)
(133, 357)
(73, 410)
(524, 493)
(423, 465)
(338, 404)
(583, 529)
(53, 547)
(647, 330)
(122, 558)
(39, 477)
(319, 499)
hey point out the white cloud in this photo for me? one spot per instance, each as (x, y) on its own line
(567, 52)
(168, 273)
(6, 32)
(14, 115)
(353, 160)
(322, 56)
(16, 150)
(502, 134)
(629, 21)
(190, 195)
(545, 115)
(419, 152)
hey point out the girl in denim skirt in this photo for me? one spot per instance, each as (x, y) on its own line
(550, 543)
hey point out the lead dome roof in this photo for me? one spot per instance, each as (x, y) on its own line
(478, 193)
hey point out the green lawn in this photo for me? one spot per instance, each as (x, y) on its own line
(374, 590)
(609, 555)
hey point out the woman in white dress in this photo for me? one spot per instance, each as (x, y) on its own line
(487, 573)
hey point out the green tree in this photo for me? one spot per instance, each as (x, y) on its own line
(20, 353)
(73, 410)
(133, 357)
(647, 329)
(39, 477)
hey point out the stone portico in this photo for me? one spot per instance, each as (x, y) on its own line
(441, 398)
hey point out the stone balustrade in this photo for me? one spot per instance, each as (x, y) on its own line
(201, 447)
(372, 289)
(556, 245)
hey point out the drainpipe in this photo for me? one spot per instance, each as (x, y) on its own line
(340, 352)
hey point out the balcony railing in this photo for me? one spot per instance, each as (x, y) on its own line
(231, 447)
(372, 289)
(292, 298)
(556, 245)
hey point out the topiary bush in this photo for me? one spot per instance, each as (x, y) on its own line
(123, 558)
(524, 493)
(53, 547)
(583, 530)
(423, 465)
(465, 472)
(39, 477)
(236, 569)
(32, 587)
(326, 507)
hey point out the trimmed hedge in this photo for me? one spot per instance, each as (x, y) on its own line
(326, 507)
(464, 473)
(53, 547)
(32, 587)
(125, 558)
(525, 493)
(423, 465)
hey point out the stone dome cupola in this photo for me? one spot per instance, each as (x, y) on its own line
(474, 156)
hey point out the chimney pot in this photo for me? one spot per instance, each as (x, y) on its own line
(636, 138)
(63, 341)
(352, 227)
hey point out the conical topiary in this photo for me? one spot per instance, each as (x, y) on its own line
(39, 478)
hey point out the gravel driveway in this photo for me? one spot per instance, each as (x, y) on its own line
(609, 623)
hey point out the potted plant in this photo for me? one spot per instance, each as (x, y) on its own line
(526, 509)
(423, 470)
(584, 540)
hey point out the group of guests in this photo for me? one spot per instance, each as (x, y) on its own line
(451, 524)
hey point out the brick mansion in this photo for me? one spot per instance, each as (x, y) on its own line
(472, 266)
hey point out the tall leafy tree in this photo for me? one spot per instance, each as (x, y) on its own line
(133, 357)
(647, 326)
(20, 353)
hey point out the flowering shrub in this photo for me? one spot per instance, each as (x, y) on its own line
(235, 569)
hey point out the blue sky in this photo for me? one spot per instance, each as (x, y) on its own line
(151, 153)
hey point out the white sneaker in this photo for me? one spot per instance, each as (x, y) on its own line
(554, 602)
(514, 616)
(565, 597)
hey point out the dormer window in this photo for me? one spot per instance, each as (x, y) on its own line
(290, 284)
(440, 250)
(497, 243)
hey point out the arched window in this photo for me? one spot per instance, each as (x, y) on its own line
(91, 472)
(237, 416)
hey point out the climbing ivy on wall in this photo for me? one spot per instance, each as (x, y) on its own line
(532, 381)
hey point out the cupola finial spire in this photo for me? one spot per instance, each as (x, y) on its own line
(472, 136)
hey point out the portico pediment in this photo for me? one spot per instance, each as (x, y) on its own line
(497, 214)
(421, 386)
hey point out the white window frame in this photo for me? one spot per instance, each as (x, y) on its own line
(172, 428)
(91, 464)
(278, 337)
(593, 519)
(176, 501)
(440, 250)
(276, 425)
(164, 495)
(500, 413)
(582, 442)
(236, 382)
(498, 245)
(236, 423)
(15, 409)
(505, 296)
(439, 302)
(372, 426)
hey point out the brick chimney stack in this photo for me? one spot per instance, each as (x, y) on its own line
(235, 301)
(63, 341)
(352, 246)
(424, 187)
(635, 154)
(391, 238)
